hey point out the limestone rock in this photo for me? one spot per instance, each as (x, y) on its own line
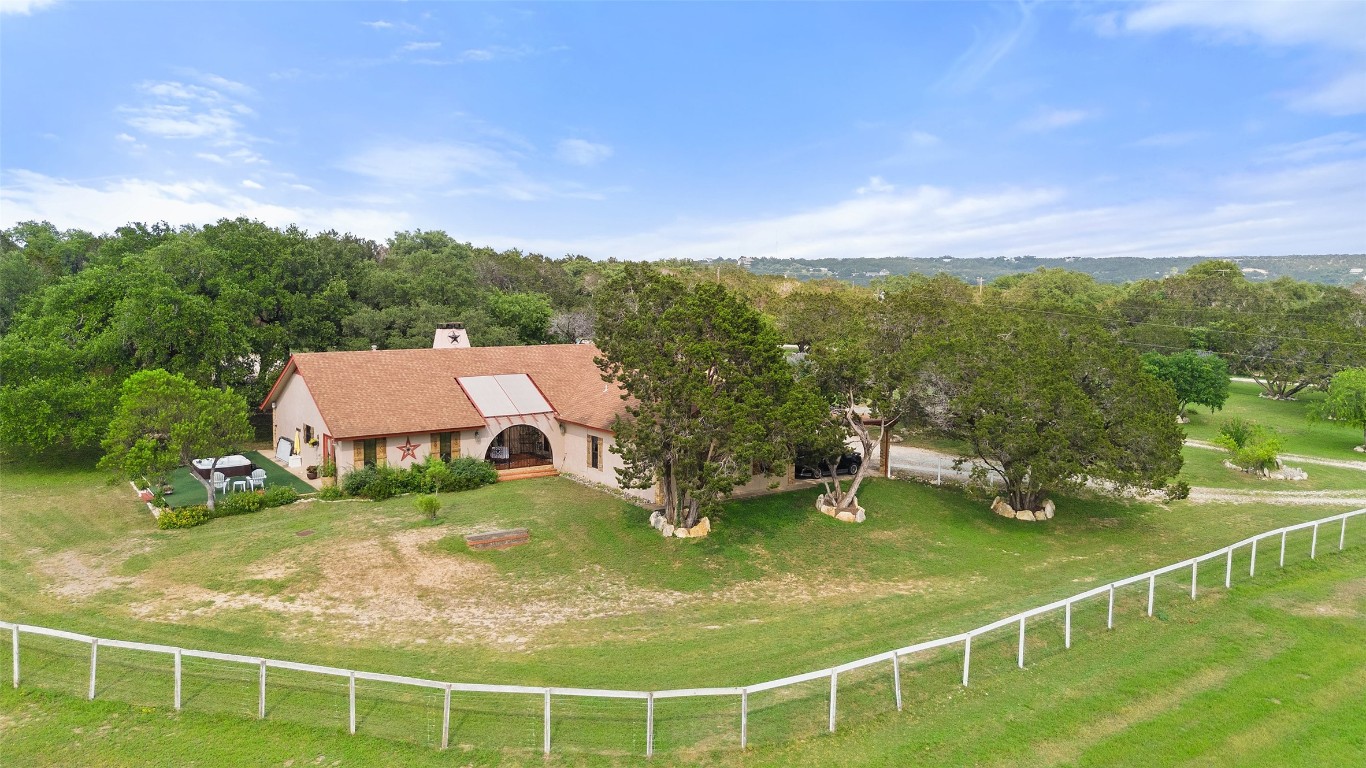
(702, 528)
(1000, 507)
(657, 520)
(681, 533)
(1025, 514)
(845, 516)
(667, 530)
(859, 516)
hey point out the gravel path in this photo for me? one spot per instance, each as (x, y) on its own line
(1293, 458)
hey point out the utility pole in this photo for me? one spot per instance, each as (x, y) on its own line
(979, 289)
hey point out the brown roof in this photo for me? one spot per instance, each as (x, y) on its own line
(406, 391)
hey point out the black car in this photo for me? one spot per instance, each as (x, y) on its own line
(811, 467)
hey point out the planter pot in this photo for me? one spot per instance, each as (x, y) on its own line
(328, 482)
(312, 472)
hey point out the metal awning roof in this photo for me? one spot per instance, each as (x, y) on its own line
(509, 394)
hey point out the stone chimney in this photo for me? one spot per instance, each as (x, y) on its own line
(450, 335)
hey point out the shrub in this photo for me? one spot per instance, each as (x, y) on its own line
(1251, 446)
(357, 480)
(183, 517)
(239, 504)
(469, 473)
(378, 483)
(428, 505)
(440, 479)
(280, 495)
(1177, 490)
(331, 493)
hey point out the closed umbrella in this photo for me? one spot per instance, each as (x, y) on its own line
(298, 443)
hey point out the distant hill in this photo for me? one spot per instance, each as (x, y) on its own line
(1335, 269)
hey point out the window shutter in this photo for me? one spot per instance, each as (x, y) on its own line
(357, 454)
(381, 452)
(456, 451)
(588, 456)
(434, 447)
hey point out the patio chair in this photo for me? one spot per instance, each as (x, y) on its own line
(220, 483)
(257, 479)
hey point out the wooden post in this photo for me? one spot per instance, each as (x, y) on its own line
(649, 725)
(967, 657)
(1022, 627)
(261, 698)
(446, 719)
(177, 679)
(1228, 570)
(1282, 549)
(744, 718)
(1342, 537)
(1067, 626)
(896, 678)
(94, 650)
(14, 652)
(1252, 569)
(1152, 587)
(1314, 544)
(546, 738)
(1195, 564)
(834, 678)
(1110, 616)
(351, 700)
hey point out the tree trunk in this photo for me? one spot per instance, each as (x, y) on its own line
(885, 447)
(213, 494)
(847, 500)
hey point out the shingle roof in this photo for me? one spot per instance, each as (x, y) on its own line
(406, 391)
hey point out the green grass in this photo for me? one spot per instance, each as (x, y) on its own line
(1206, 468)
(597, 599)
(190, 491)
(1288, 417)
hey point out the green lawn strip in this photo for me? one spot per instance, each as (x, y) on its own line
(1269, 673)
(1206, 468)
(278, 475)
(1288, 417)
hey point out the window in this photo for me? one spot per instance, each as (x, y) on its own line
(445, 446)
(308, 434)
(595, 452)
(369, 452)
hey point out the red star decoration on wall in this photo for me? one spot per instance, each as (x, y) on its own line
(408, 449)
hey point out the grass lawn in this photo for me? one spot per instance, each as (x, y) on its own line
(190, 491)
(599, 600)
(1206, 468)
(1288, 417)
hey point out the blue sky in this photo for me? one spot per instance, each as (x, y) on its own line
(702, 130)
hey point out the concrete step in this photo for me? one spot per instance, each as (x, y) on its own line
(527, 473)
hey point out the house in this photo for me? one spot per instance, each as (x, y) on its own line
(531, 411)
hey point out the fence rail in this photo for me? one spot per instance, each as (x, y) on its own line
(895, 657)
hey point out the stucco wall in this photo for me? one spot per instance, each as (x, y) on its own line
(575, 460)
(294, 408)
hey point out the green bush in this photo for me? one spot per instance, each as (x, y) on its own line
(183, 517)
(1251, 446)
(469, 473)
(331, 493)
(239, 504)
(280, 495)
(1177, 490)
(428, 506)
(377, 483)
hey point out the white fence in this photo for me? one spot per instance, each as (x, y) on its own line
(263, 665)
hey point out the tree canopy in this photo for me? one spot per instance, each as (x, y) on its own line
(1346, 401)
(1196, 378)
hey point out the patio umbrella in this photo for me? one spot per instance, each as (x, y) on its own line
(298, 441)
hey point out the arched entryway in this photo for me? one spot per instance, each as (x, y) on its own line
(520, 446)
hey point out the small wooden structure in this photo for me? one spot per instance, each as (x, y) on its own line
(498, 539)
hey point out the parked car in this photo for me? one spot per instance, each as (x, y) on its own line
(811, 467)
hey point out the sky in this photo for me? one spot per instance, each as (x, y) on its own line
(701, 130)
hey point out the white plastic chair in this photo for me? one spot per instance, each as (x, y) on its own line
(220, 483)
(257, 479)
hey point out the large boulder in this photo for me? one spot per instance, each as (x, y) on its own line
(859, 516)
(681, 533)
(845, 516)
(1000, 507)
(667, 530)
(1048, 509)
(702, 528)
(657, 520)
(1025, 514)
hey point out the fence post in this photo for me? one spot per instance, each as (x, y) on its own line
(834, 678)
(1342, 537)
(1252, 569)
(261, 698)
(896, 678)
(1067, 626)
(1022, 627)
(1152, 587)
(1228, 570)
(177, 679)
(967, 657)
(650, 724)
(14, 652)
(446, 719)
(1110, 616)
(744, 718)
(1282, 549)
(351, 700)
(94, 650)
(1314, 544)
(1195, 564)
(546, 738)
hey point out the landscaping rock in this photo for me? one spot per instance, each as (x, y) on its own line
(1000, 507)
(1048, 509)
(1025, 514)
(846, 516)
(657, 520)
(702, 528)
(681, 533)
(667, 530)
(859, 516)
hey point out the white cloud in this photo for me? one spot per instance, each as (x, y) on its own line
(126, 138)
(224, 84)
(24, 7)
(922, 139)
(421, 46)
(581, 152)
(496, 53)
(986, 51)
(382, 25)
(379, 24)
(249, 184)
(875, 186)
(1171, 139)
(1337, 24)
(212, 158)
(104, 206)
(1053, 119)
(1340, 143)
(427, 165)
(1344, 96)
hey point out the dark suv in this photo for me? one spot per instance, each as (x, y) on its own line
(811, 467)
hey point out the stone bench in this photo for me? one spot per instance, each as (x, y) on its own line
(498, 539)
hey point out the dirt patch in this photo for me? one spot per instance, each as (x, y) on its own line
(1348, 601)
(76, 576)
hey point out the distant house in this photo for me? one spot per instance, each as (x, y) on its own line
(531, 411)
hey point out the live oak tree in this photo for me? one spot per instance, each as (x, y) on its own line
(164, 420)
(1346, 401)
(1197, 379)
(1047, 407)
(711, 396)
